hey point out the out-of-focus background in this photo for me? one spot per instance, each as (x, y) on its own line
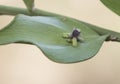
(26, 64)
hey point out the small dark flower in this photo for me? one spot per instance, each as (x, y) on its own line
(73, 37)
(75, 33)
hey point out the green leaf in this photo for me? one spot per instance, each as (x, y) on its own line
(114, 5)
(47, 34)
(29, 4)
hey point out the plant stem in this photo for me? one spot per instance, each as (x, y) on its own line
(112, 34)
(8, 10)
(104, 31)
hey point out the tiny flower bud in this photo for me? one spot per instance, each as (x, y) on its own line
(75, 33)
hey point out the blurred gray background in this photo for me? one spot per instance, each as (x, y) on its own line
(26, 64)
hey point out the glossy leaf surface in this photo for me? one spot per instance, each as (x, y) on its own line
(46, 33)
